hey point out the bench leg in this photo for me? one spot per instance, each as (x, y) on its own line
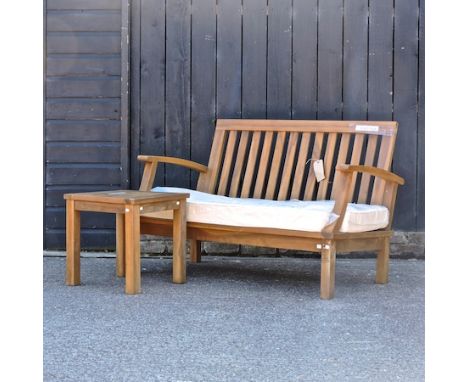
(195, 251)
(327, 273)
(132, 250)
(120, 243)
(381, 275)
(73, 245)
(179, 247)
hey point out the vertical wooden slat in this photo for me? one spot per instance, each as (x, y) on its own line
(330, 39)
(239, 165)
(368, 161)
(311, 181)
(327, 164)
(304, 73)
(288, 166)
(207, 182)
(254, 58)
(300, 166)
(342, 156)
(251, 162)
(228, 156)
(405, 101)
(275, 165)
(203, 80)
(356, 155)
(125, 94)
(421, 190)
(135, 92)
(229, 59)
(380, 66)
(178, 88)
(384, 161)
(262, 167)
(355, 30)
(279, 59)
(153, 79)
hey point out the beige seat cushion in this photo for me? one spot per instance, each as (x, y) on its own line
(309, 216)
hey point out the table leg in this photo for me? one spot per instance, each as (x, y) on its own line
(132, 250)
(120, 243)
(73, 244)
(179, 238)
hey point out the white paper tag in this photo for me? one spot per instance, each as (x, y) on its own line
(318, 170)
(372, 128)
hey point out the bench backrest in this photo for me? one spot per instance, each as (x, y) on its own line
(272, 159)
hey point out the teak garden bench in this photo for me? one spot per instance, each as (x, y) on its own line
(273, 160)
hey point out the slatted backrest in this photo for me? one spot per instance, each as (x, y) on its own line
(273, 159)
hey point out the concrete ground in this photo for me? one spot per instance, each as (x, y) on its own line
(237, 319)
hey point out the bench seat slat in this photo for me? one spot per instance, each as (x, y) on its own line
(368, 161)
(225, 172)
(262, 168)
(327, 164)
(251, 162)
(275, 165)
(342, 155)
(238, 167)
(311, 181)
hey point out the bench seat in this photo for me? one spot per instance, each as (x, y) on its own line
(310, 216)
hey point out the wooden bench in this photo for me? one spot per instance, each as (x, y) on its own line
(272, 159)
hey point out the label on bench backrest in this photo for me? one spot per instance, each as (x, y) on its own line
(319, 170)
(367, 128)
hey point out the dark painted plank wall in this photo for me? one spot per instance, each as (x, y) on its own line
(194, 61)
(82, 130)
(334, 59)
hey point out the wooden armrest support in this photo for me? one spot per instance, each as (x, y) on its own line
(151, 164)
(375, 171)
(345, 180)
(172, 160)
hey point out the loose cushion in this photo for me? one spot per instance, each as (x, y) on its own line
(298, 215)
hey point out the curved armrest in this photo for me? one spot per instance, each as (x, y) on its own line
(375, 171)
(344, 175)
(151, 164)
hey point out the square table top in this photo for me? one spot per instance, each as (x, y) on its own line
(126, 197)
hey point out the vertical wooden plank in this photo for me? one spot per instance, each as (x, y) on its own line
(207, 182)
(227, 164)
(135, 99)
(327, 271)
(304, 65)
(300, 166)
(384, 161)
(327, 164)
(203, 80)
(311, 180)
(355, 30)
(251, 163)
(405, 108)
(179, 239)
(239, 165)
(380, 77)
(254, 58)
(356, 156)
(125, 94)
(279, 59)
(288, 166)
(341, 159)
(178, 89)
(420, 212)
(330, 39)
(275, 165)
(229, 54)
(368, 161)
(152, 86)
(262, 166)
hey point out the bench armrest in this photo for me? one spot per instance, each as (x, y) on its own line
(345, 174)
(151, 165)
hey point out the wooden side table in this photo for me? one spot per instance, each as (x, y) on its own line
(127, 205)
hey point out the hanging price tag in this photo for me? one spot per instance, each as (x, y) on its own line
(318, 170)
